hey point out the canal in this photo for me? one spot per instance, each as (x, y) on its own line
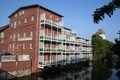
(100, 70)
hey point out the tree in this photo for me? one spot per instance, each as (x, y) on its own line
(98, 45)
(99, 13)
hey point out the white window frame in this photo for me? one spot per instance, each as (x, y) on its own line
(18, 35)
(15, 24)
(23, 45)
(23, 12)
(19, 22)
(25, 20)
(31, 46)
(10, 46)
(14, 36)
(11, 36)
(31, 33)
(11, 24)
(19, 13)
(15, 15)
(32, 18)
(24, 34)
(2, 34)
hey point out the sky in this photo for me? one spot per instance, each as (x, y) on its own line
(77, 15)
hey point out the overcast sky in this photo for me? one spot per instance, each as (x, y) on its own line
(77, 15)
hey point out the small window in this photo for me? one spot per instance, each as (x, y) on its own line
(50, 16)
(15, 15)
(2, 35)
(32, 18)
(13, 47)
(10, 36)
(31, 33)
(23, 46)
(1, 41)
(10, 46)
(56, 18)
(18, 46)
(23, 12)
(11, 24)
(24, 34)
(18, 36)
(19, 22)
(15, 24)
(31, 46)
(25, 20)
(19, 13)
(14, 37)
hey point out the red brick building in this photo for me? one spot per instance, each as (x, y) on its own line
(36, 37)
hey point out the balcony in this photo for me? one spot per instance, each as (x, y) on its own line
(49, 38)
(48, 50)
(51, 23)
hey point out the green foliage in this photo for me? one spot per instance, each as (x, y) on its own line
(117, 47)
(101, 48)
(99, 13)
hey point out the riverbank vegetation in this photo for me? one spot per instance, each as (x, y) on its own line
(102, 49)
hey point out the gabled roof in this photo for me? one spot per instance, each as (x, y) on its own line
(4, 27)
(33, 6)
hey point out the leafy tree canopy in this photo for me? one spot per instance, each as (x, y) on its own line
(99, 13)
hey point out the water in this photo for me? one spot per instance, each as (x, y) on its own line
(98, 71)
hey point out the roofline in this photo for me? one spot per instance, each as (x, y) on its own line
(4, 27)
(33, 6)
(67, 28)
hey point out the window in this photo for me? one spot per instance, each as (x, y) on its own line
(13, 47)
(19, 22)
(20, 14)
(18, 35)
(15, 24)
(15, 15)
(11, 24)
(31, 46)
(2, 35)
(1, 41)
(10, 36)
(31, 33)
(14, 37)
(10, 46)
(32, 18)
(24, 34)
(23, 46)
(57, 18)
(23, 12)
(50, 16)
(18, 46)
(25, 20)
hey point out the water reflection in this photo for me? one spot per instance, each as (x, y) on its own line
(103, 70)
